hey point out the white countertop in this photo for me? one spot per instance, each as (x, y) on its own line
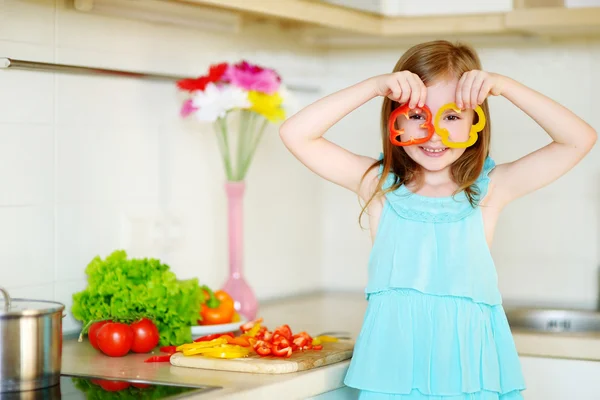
(315, 314)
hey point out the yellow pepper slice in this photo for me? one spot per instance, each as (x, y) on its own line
(225, 348)
(253, 331)
(325, 339)
(226, 354)
(202, 345)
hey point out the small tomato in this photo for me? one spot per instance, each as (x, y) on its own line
(145, 336)
(115, 339)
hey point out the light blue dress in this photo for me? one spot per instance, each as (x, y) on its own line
(434, 327)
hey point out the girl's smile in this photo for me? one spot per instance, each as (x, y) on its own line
(433, 151)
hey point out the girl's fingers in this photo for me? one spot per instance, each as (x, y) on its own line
(406, 92)
(484, 91)
(466, 90)
(459, 92)
(415, 91)
(476, 89)
(395, 91)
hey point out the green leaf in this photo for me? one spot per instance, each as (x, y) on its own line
(128, 289)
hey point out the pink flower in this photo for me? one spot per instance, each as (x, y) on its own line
(187, 108)
(252, 77)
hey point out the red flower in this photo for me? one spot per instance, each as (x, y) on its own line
(214, 74)
(192, 85)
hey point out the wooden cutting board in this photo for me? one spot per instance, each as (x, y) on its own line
(299, 361)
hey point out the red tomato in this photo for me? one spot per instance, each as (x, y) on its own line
(93, 331)
(113, 386)
(140, 385)
(145, 336)
(115, 339)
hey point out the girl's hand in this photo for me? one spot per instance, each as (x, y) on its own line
(403, 87)
(475, 86)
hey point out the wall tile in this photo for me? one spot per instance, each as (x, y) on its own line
(26, 164)
(83, 232)
(26, 246)
(27, 97)
(42, 292)
(63, 293)
(29, 21)
(108, 164)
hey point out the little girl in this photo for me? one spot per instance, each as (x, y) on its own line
(434, 326)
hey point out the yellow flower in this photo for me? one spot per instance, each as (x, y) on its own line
(267, 105)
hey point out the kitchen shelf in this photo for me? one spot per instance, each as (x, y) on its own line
(317, 19)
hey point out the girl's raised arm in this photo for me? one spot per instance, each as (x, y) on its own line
(303, 133)
(572, 137)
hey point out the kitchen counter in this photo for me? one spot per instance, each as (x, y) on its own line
(314, 313)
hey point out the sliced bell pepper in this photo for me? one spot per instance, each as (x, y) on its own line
(212, 337)
(395, 133)
(201, 345)
(250, 324)
(166, 358)
(253, 331)
(281, 350)
(239, 340)
(168, 349)
(262, 348)
(318, 347)
(220, 351)
(445, 134)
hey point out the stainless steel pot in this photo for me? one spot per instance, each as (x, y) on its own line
(30, 343)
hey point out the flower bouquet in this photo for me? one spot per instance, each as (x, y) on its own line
(240, 100)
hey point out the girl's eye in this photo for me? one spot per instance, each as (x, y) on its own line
(452, 117)
(416, 116)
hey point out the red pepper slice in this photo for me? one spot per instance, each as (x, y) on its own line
(300, 341)
(166, 358)
(285, 331)
(318, 347)
(208, 338)
(395, 133)
(262, 349)
(168, 349)
(282, 351)
(240, 341)
(248, 325)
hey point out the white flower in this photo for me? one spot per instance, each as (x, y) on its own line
(290, 102)
(214, 101)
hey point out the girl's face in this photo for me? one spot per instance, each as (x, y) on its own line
(434, 155)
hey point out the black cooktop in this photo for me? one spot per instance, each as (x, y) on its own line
(73, 387)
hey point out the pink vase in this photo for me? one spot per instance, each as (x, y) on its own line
(236, 286)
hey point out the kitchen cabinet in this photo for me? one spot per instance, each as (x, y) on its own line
(560, 379)
(384, 21)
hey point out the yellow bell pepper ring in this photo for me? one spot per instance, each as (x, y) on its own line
(445, 135)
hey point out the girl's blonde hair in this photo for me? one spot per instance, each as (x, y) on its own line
(433, 61)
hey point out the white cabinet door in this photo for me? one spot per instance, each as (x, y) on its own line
(556, 379)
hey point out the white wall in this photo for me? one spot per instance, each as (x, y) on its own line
(546, 243)
(81, 157)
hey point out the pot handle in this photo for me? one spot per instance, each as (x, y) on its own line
(6, 298)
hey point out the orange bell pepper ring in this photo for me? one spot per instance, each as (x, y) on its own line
(395, 133)
(445, 135)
